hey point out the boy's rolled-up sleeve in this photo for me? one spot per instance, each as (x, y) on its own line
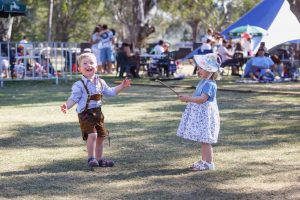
(76, 93)
(108, 91)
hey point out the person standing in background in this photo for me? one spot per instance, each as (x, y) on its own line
(106, 48)
(95, 40)
(159, 48)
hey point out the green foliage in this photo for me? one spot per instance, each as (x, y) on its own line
(33, 24)
(74, 20)
(200, 15)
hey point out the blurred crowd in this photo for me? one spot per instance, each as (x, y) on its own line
(239, 57)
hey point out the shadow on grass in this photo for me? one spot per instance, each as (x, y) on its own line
(159, 131)
(207, 191)
(33, 94)
(50, 135)
(147, 154)
(64, 177)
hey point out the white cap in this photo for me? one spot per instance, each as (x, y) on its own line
(210, 62)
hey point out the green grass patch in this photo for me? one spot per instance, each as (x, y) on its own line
(43, 156)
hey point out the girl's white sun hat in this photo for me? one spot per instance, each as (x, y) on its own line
(210, 62)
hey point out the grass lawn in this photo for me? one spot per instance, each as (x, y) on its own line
(44, 157)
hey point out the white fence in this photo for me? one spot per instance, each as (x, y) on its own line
(43, 60)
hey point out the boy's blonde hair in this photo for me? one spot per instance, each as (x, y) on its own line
(86, 55)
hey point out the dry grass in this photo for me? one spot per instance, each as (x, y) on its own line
(43, 156)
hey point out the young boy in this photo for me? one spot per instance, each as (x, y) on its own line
(87, 94)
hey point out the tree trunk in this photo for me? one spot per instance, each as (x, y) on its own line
(136, 17)
(5, 28)
(194, 25)
(50, 12)
(295, 8)
(144, 32)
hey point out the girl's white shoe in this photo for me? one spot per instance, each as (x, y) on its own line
(202, 166)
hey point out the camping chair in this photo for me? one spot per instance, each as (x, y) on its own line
(236, 61)
(144, 63)
(239, 61)
(154, 68)
(121, 63)
(124, 65)
(172, 62)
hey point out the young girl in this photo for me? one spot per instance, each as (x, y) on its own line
(200, 121)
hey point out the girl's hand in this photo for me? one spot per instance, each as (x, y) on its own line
(64, 108)
(184, 98)
(126, 83)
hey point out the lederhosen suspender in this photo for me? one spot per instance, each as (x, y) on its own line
(90, 97)
(95, 97)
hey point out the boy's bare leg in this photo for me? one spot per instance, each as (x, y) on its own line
(99, 147)
(91, 144)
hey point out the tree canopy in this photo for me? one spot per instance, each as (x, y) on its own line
(135, 20)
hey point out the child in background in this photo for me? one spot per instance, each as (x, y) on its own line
(278, 67)
(200, 121)
(87, 94)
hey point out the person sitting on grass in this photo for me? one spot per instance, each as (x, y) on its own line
(87, 94)
(261, 66)
(278, 67)
(248, 68)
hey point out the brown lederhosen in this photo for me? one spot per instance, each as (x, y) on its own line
(92, 120)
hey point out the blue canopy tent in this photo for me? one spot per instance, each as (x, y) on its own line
(261, 15)
(274, 16)
(195, 52)
(295, 41)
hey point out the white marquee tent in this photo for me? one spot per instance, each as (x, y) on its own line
(276, 17)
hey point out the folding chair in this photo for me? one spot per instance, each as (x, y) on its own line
(239, 61)
(121, 63)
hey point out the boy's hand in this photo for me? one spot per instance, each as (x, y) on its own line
(64, 108)
(184, 98)
(126, 83)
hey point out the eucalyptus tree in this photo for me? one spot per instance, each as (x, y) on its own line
(203, 14)
(32, 24)
(50, 17)
(5, 29)
(72, 21)
(192, 12)
(228, 11)
(135, 18)
(75, 19)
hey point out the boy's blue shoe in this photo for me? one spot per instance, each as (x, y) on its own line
(106, 163)
(92, 162)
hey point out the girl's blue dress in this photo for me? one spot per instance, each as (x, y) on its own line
(201, 122)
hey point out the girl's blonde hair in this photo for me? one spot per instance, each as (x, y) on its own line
(86, 55)
(216, 76)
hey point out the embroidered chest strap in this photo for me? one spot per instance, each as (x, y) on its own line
(95, 97)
